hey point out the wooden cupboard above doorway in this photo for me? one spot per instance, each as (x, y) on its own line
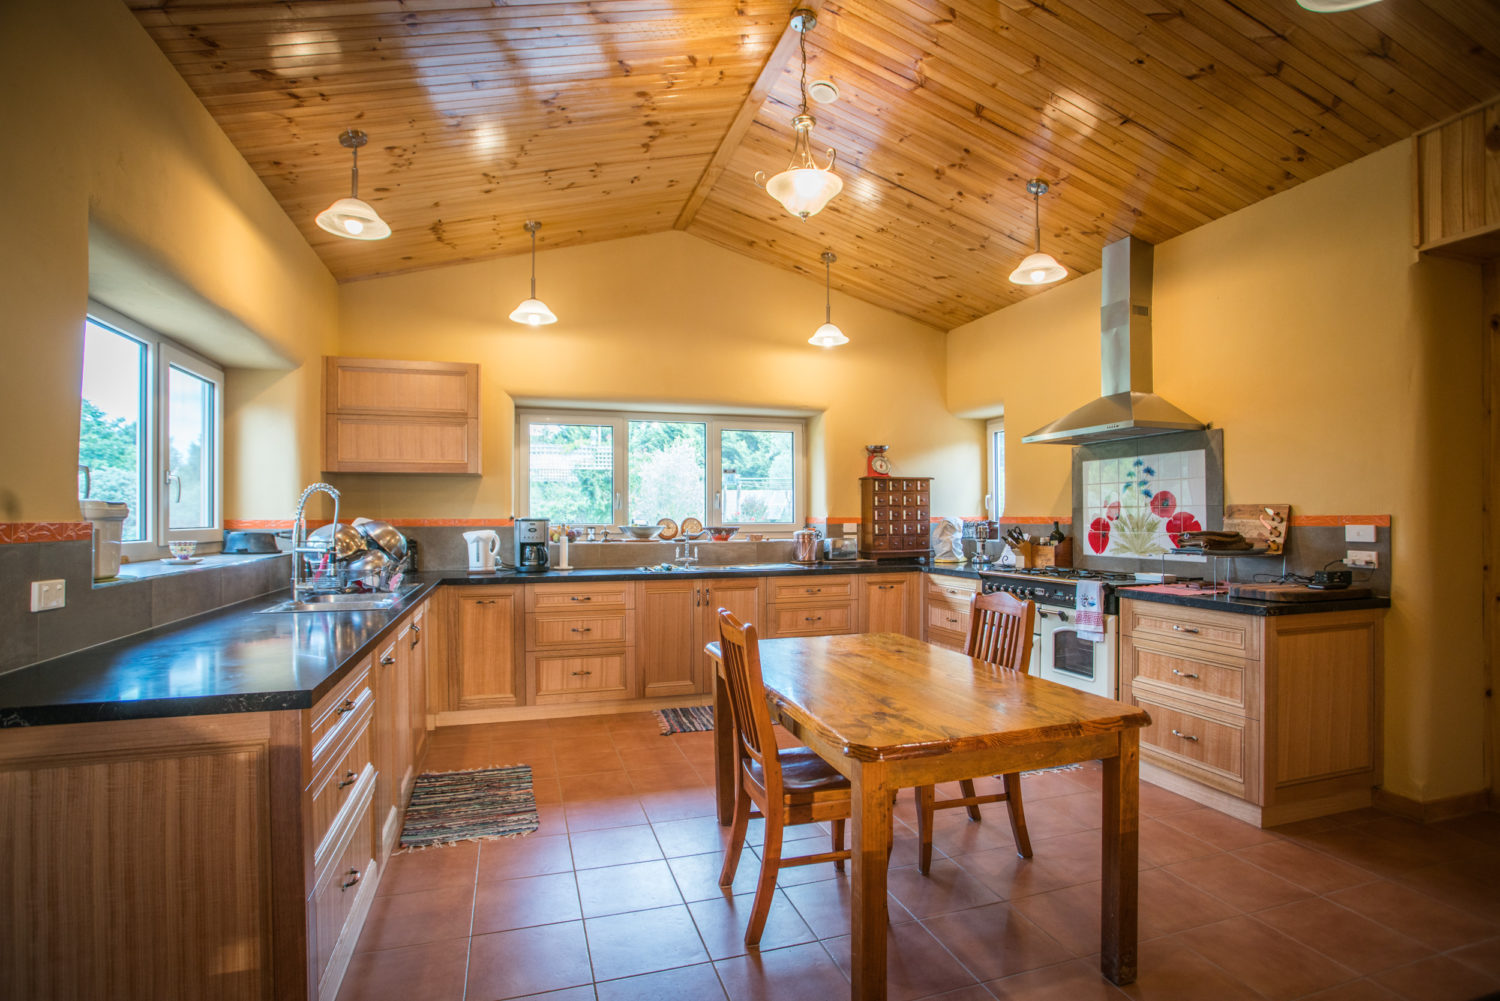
(383, 416)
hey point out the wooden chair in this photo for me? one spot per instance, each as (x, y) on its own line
(789, 786)
(999, 633)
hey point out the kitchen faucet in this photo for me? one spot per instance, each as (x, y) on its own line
(300, 584)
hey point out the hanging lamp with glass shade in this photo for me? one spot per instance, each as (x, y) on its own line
(533, 312)
(803, 188)
(1333, 6)
(828, 336)
(349, 217)
(1038, 268)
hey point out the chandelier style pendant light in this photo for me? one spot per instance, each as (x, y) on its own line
(350, 217)
(533, 312)
(828, 336)
(1038, 268)
(804, 187)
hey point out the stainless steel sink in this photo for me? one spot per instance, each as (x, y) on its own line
(343, 602)
(762, 566)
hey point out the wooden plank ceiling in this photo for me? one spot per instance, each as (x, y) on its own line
(619, 117)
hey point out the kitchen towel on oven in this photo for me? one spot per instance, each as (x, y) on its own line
(1088, 607)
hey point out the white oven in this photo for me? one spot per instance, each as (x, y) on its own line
(1059, 654)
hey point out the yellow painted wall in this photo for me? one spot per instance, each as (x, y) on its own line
(1345, 374)
(101, 131)
(665, 319)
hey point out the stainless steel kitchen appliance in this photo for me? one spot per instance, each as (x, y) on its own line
(531, 545)
(805, 545)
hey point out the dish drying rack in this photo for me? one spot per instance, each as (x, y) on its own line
(329, 574)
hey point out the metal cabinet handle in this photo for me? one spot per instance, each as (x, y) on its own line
(1181, 675)
(416, 636)
(485, 601)
(1184, 736)
(585, 597)
(697, 597)
(814, 590)
(348, 705)
(585, 629)
(708, 592)
(953, 620)
(347, 780)
(812, 618)
(388, 659)
(885, 587)
(1184, 629)
(353, 875)
(580, 674)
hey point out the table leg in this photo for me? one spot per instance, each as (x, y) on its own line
(724, 752)
(1121, 836)
(870, 834)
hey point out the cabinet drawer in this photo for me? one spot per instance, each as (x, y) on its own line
(575, 597)
(821, 589)
(1225, 632)
(957, 589)
(1187, 677)
(949, 616)
(550, 631)
(829, 619)
(339, 785)
(338, 890)
(1194, 745)
(582, 677)
(335, 713)
(947, 638)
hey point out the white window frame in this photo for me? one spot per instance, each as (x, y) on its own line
(994, 430)
(715, 424)
(162, 354)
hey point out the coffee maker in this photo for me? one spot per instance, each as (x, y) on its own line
(531, 545)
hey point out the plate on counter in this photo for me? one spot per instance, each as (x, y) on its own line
(692, 527)
(668, 529)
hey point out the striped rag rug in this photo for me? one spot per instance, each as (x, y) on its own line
(692, 719)
(448, 807)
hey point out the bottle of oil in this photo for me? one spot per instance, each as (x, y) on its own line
(1057, 534)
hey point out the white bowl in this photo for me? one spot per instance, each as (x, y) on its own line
(641, 531)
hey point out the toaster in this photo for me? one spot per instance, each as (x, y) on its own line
(839, 549)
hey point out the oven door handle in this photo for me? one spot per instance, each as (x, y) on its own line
(1061, 615)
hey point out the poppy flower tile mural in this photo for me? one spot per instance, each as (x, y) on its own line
(1137, 506)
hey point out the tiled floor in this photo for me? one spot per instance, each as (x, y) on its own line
(616, 897)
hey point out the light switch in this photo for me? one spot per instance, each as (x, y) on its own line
(47, 595)
(1359, 533)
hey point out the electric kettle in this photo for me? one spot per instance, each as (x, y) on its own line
(484, 547)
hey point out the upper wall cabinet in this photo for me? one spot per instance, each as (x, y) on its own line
(400, 416)
(1458, 185)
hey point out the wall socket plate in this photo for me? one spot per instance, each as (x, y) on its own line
(1359, 533)
(1363, 558)
(47, 595)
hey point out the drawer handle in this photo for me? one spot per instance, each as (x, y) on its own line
(813, 590)
(577, 597)
(1185, 629)
(951, 619)
(812, 618)
(348, 780)
(348, 705)
(353, 875)
(388, 659)
(1181, 675)
(582, 674)
(416, 636)
(585, 629)
(885, 587)
(1184, 736)
(485, 601)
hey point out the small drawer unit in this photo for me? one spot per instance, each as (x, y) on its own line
(817, 606)
(580, 642)
(895, 516)
(945, 610)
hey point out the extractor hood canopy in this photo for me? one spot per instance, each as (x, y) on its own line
(1126, 407)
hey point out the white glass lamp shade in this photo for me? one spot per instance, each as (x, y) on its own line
(828, 336)
(1333, 6)
(803, 191)
(533, 313)
(1038, 269)
(353, 219)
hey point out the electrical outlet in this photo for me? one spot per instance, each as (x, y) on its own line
(47, 595)
(1359, 533)
(1364, 558)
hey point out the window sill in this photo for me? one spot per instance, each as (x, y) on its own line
(152, 569)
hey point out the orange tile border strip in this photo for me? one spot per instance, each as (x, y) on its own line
(44, 531)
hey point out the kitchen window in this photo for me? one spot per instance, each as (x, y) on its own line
(150, 433)
(994, 436)
(604, 469)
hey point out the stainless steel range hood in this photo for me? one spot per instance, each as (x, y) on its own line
(1127, 407)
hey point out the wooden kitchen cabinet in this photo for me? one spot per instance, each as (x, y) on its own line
(945, 610)
(1271, 719)
(383, 416)
(580, 643)
(678, 618)
(890, 603)
(486, 651)
(813, 606)
(1457, 177)
(895, 516)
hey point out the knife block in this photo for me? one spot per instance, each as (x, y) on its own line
(1052, 554)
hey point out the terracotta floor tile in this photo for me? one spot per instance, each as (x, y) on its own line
(1438, 978)
(1313, 870)
(996, 941)
(946, 887)
(1054, 864)
(536, 753)
(520, 903)
(1218, 829)
(1343, 936)
(1264, 959)
(1160, 845)
(623, 888)
(433, 970)
(625, 945)
(620, 846)
(1481, 827)
(824, 905)
(693, 836)
(1169, 905)
(545, 790)
(581, 756)
(551, 819)
(431, 869)
(588, 787)
(688, 983)
(1168, 971)
(1472, 886)
(917, 965)
(1483, 956)
(1076, 980)
(797, 973)
(1048, 818)
(954, 834)
(511, 964)
(1069, 915)
(974, 992)
(678, 804)
(645, 757)
(663, 778)
(417, 917)
(1368, 850)
(583, 993)
(1354, 990)
(507, 858)
(1236, 882)
(721, 922)
(698, 875)
(1159, 802)
(603, 814)
(1413, 913)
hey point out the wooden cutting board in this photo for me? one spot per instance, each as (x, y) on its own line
(1262, 524)
(1296, 592)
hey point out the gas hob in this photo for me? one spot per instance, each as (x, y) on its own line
(1055, 586)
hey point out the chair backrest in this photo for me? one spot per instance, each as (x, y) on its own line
(740, 651)
(1000, 629)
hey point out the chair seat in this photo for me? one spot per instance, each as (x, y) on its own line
(802, 771)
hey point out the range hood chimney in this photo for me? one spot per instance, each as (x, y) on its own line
(1126, 408)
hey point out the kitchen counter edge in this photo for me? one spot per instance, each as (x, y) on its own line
(1249, 606)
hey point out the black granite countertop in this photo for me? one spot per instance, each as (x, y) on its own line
(1248, 606)
(237, 659)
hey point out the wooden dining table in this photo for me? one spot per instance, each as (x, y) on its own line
(890, 712)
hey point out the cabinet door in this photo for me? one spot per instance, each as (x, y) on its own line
(486, 675)
(391, 738)
(742, 597)
(417, 646)
(888, 604)
(667, 612)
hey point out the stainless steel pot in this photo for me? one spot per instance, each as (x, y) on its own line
(805, 545)
(341, 541)
(384, 535)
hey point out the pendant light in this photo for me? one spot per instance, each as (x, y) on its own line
(349, 217)
(1333, 6)
(533, 312)
(1038, 268)
(804, 187)
(828, 336)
